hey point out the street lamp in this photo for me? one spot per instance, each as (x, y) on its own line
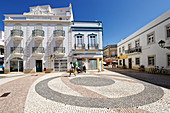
(162, 44)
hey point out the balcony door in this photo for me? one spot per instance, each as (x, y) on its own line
(16, 65)
(79, 42)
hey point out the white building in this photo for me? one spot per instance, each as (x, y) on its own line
(142, 48)
(1, 50)
(87, 44)
(39, 41)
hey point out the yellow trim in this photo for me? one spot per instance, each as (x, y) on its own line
(80, 50)
(122, 57)
(98, 63)
(93, 50)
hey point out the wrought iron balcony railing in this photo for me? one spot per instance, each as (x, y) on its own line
(17, 50)
(37, 32)
(37, 49)
(59, 49)
(79, 46)
(16, 32)
(132, 50)
(93, 46)
(58, 33)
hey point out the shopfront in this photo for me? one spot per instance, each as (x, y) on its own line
(16, 65)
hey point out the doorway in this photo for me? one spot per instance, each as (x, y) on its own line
(130, 63)
(92, 64)
(79, 61)
(38, 65)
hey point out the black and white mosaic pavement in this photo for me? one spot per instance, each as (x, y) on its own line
(150, 94)
(92, 81)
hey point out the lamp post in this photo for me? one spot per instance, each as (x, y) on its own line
(162, 44)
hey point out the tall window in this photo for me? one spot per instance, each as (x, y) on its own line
(79, 40)
(59, 27)
(129, 46)
(119, 50)
(151, 38)
(137, 43)
(123, 49)
(168, 60)
(17, 26)
(38, 26)
(151, 60)
(168, 31)
(93, 40)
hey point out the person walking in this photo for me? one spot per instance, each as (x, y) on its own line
(72, 69)
(84, 68)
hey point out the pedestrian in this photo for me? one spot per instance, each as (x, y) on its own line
(72, 69)
(84, 68)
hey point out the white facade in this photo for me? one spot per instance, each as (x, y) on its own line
(40, 40)
(1, 50)
(87, 44)
(143, 45)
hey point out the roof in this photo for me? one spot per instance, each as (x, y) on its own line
(110, 46)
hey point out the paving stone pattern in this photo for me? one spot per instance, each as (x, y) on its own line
(149, 95)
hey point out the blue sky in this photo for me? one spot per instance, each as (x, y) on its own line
(120, 17)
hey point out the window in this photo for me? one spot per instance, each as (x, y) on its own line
(79, 40)
(17, 26)
(93, 40)
(137, 43)
(137, 61)
(59, 27)
(168, 31)
(168, 60)
(38, 26)
(123, 49)
(120, 62)
(119, 50)
(129, 46)
(151, 60)
(151, 38)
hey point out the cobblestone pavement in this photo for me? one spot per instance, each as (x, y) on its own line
(103, 92)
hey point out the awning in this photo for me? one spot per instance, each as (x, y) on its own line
(108, 61)
(122, 57)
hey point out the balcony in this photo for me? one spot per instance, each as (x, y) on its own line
(59, 51)
(38, 51)
(59, 34)
(134, 50)
(79, 47)
(38, 35)
(93, 46)
(17, 51)
(17, 34)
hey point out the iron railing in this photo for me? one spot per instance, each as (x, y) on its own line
(93, 46)
(57, 33)
(80, 46)
(17, 50)
(37, 32)
(37, 49)
(16, 32)
(132, 50)
(59, 49)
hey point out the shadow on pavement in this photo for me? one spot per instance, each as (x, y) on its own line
(157, 79)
